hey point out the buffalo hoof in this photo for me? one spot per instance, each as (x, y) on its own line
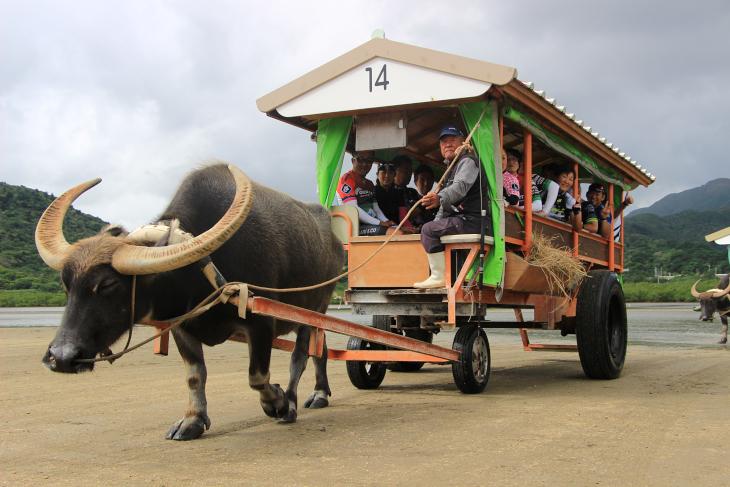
(278, 408)
(317, 400)
(291, 416)
(724, 340)
(188, 429)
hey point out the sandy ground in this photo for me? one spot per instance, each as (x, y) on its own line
(539, 422)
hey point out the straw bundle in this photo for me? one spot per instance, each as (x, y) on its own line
(563, 271)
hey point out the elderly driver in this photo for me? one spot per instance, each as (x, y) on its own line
(460, 204)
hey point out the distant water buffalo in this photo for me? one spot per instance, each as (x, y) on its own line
(715, 300)
(253, 234)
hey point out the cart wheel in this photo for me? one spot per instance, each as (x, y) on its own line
(424, 336)
(384, 322)
(365, 375)
(601, 326)
(471, 372)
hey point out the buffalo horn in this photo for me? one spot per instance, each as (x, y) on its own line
(137, 260)
(52, 246)
(721, 293)
(694, 290)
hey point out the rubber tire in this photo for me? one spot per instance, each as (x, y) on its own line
(367, 375)
(601, 325)
(384, 322)
(473, 344)
(412, 366)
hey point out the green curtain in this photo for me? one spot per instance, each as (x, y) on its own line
(486, 143)
(332, 135)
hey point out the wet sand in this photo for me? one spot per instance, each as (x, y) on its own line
(539, 422)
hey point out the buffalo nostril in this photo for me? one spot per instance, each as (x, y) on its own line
(62, 358)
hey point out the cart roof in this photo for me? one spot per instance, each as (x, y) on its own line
(427, 85)
(320, 88)
(721, 237)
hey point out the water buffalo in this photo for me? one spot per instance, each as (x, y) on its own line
(253, 234)
(715, 300)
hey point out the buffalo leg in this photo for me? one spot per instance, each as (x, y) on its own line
(318, 398)
(196, 420)
(298, 363)
(260, 339)
(723, 339)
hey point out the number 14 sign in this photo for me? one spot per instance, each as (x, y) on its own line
(382, 78)
(382, 82)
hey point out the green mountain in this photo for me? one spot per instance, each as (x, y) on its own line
(675, 243)
(21, 268)
(710, 196)
(687, 226)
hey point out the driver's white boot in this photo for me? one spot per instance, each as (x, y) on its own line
(437, 261)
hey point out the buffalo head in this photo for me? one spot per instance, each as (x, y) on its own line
(708, 300)
(96, 274)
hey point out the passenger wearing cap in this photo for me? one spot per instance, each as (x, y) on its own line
(597, 196)
(460, 203)
(356, 190)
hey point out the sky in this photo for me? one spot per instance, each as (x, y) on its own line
(141, 92)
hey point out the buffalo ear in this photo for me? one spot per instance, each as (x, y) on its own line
(113, 230)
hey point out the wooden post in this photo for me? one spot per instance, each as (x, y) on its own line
(161, 342)
(622, 238)
(611, 243)
(527, 190)
(576, 192)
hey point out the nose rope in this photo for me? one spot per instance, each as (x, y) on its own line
(107, 353)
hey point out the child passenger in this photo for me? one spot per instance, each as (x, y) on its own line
(510, 180)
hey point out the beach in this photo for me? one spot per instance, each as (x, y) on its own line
(539, 422)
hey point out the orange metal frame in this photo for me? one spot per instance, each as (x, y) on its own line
(410, 350)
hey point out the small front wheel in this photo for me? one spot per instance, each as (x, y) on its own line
(471, 371)
(365, 375)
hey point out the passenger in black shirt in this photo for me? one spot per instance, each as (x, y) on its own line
(390, 199)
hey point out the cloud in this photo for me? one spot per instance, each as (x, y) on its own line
(139, 93)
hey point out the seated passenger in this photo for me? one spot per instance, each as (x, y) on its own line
(629, 200)
(355, 189)
(389, 198)
(510, 180)
(566, 209)
(514, 162)
(403, 172)
(423, 179)
(594, 198)
(460, 204)
(547, 188)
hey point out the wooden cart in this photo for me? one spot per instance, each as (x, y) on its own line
(395, 98)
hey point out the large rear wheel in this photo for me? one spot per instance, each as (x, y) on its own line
(601, 325)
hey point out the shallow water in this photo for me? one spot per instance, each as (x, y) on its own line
(650, 324)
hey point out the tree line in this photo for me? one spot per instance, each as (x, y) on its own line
(674, 243)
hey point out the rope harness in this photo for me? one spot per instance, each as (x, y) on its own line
(223, 293)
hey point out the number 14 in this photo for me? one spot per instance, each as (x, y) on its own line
(382, 78)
